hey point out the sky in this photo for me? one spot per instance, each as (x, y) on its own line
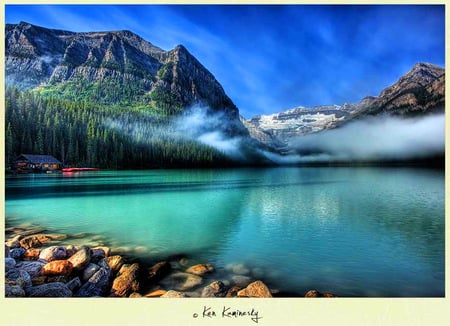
(270, 58)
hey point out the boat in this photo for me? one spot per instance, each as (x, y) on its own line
(78, 169)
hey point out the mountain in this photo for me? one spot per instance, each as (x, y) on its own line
(116, 67)
(420, 91)
(113, 99)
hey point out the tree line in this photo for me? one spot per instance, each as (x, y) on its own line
(81, 133)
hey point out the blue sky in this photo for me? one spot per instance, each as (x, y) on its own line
(274, 57)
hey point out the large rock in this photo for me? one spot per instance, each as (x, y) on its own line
(97, 285)
(17, 253)
(115, 262)
(14, 291)
(233, 291)
(53, 253)
(200, 269)
(18, 277)
(32, 267)
(215, 289)
(14, 242)
(81, 258)
(57, 267)
(55, 289)
(182, 281)
(159, 271)
(127, 281)
(256, 289)
(90, 270)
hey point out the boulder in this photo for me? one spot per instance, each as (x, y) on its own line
(200, 269)
(14, 291)
(159, 271)
(182, 281)
(17, 253)
(18, 277)
(30, 242)
(215, 289)
(127, 281)
(115, 262)
(97, 285)
(57, 267)
(106, 250)
(55, 289)
(90, 270)
(317, 294)
(53, 253)
(173, 294)
(31, 267)
(9, 263)
(81, 258)
(256, 289)
(31, 254)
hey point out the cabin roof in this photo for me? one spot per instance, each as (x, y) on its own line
(40, 159)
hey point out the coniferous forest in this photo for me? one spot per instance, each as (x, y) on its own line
(83, 133)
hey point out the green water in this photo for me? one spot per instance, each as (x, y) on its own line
(376, 232)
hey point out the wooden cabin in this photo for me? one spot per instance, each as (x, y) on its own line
(31, 162)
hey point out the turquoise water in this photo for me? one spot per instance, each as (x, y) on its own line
(376, 232)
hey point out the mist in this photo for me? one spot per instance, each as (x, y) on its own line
(372, 139)
(197, 123)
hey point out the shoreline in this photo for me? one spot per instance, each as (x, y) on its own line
(41, 263)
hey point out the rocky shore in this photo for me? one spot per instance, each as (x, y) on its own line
(43, 264)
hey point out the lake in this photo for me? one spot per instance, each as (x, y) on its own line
(352, 231)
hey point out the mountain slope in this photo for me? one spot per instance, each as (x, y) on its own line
(420, 91)
(116, 67)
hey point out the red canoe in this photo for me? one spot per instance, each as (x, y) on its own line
(78, 169)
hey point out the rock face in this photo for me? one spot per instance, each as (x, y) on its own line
(37, 56)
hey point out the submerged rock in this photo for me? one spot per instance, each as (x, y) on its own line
(159, 271)
(182, 281)
(256, 289)
(200, 269)
(174, 294)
